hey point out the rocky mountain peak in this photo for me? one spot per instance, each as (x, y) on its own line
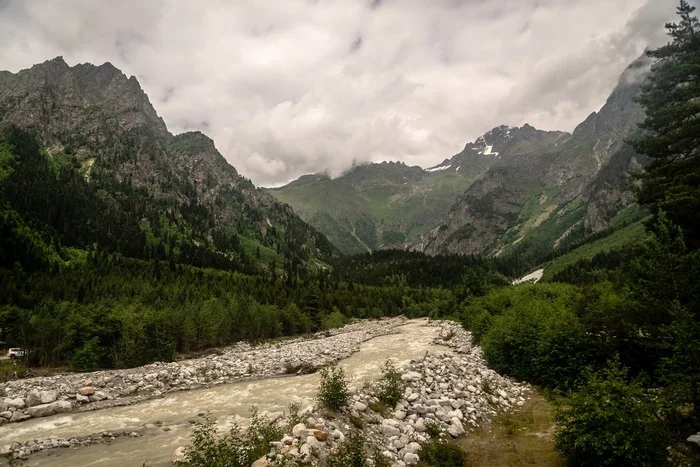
(103, 123)
(85, 101)
(542, 186)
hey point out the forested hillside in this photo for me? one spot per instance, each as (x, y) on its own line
(92, 161)
(616, 331)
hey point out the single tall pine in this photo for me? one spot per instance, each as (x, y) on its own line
(671, 98)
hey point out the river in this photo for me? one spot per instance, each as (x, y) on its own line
(226, 403)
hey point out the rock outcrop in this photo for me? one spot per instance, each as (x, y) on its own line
(579, 181)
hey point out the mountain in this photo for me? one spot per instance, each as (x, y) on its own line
(531, 203)
(383, 205)
(175, 194)
(519, 191)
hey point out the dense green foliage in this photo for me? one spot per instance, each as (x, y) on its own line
(441, 454)
(610, 422)
(138, 311)
(623, 340)
(413, 269)
(353, 452)
(237, 448)
(671, 98)
(535, 334)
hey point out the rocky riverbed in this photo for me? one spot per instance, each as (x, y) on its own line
(448, 393)
(452, 390)
(24, 399)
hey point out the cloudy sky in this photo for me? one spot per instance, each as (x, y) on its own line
(287, 87)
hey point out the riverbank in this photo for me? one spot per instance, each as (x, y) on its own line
(149, 432)
(445, 394)
(44, 396)
(524, 436)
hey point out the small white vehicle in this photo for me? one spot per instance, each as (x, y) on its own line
(15, 352)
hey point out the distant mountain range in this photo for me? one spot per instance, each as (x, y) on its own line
(513, 190)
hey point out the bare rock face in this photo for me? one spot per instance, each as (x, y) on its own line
(106, 123)
(545, 185)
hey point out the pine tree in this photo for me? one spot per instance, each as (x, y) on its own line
(671, 98)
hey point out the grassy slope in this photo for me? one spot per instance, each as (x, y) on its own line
(360, 218)
(619, 238)
(524, 437)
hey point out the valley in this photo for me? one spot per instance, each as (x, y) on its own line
(394, 313)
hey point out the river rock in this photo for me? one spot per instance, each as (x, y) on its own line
(338, 435)
(98, 396)
(360, 407)
(48, 396)
(410, 376)
(390, 431)
(299, 430)
(695, 439)
(87, 390)
(179, 455)
(305, 450)
(18, 416)
(44, 410)
(32, 399)
(456, 428)
(262, 462)
(14, 403)
(313, 442)
(411, 458)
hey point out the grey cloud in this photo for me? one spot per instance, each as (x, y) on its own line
(308, 85)
(356, 44)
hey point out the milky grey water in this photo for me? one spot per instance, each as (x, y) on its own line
(227, 403)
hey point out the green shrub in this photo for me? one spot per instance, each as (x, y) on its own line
(333, 391)
(86, 357)
(334, 320)
(237, 448)
(354, 453)
(391, 385)
(539, 337)
(433, 429)
(378, 406)
(442, 454)
(293, 416)
(350, 454)
(609, 421)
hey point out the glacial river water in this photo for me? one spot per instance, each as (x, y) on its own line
(227, 403)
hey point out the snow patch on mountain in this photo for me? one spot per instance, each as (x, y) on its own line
(488, 151)
(437, 169)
